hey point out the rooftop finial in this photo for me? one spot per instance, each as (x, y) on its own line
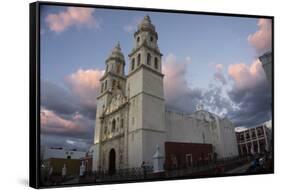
(199, 106)
(118, 45)
(147, 17)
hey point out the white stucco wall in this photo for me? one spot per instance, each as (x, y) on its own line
(185, 128)
(202, 127)
(228, 139)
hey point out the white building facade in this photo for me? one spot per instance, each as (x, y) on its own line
(131, 120)
(255, 140)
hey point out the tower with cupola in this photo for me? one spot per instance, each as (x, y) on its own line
(112, 82)
(144, 88)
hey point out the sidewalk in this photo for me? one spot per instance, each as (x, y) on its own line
(240, 169)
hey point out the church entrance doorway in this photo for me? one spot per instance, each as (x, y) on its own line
(112, 160)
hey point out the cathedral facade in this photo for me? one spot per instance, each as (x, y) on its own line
(131, 120)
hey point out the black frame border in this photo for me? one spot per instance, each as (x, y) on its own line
(34, 88)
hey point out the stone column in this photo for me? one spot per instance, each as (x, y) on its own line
(258, 142)
(265, 138)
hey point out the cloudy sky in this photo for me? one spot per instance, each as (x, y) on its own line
(207, 59)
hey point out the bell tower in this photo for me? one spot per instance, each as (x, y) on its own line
(146, 96)
(145, 51)
(113, 79)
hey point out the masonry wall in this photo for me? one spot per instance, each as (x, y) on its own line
(184, 128)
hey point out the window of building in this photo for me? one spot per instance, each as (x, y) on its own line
(259, 132)
(118, 69)
(155, 63)
(113, 126)
(113, 84)
(105, 85)
(174, 161)
(188, 160)
(138, 39)
(148, 58)
(253, 134)
(101, 90)
(133, 63)
(139, 59)
(151, 38)
(117, 128)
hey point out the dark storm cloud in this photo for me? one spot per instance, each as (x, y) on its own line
(254, 104)
(185, 102)
(250, 92)
(67, 142)
(64, 101)
(64, 116)
(58, 99)
(75, 125)
(247, 103)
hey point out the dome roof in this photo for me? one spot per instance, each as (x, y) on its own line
(146, 24)
(116, 52)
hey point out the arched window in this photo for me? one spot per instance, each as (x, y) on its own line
(113, 84)
(155, 63)
(139, 59)
(113, 126)
(118, 69)
(138, 39)
(101, 90)
(151, 38)
(105, 85)
(148, 58)
(133, 63)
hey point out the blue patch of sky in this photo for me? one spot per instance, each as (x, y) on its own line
(206, 39)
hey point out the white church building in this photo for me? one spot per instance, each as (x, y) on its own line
(131, 120)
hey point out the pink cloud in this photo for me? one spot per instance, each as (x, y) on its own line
(174, 80)
(49, 118)
(72, 16)
(218, 75)
(54, 123)
(261, 40)
(246, 76)
(85, 85)
(219, 67)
